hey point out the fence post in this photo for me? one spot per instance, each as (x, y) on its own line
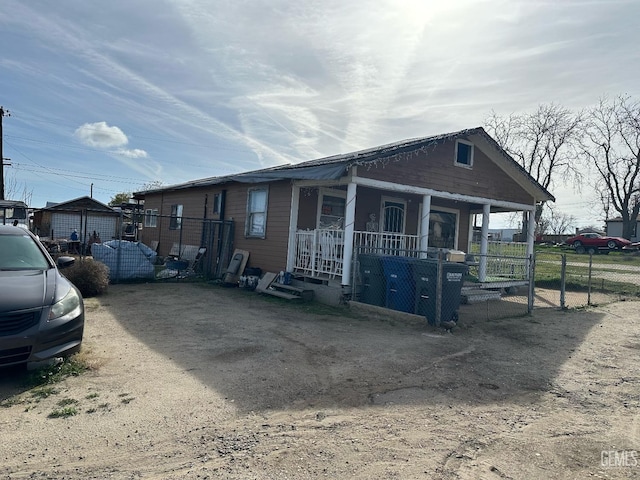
(354, 276)
(532, 281)
(119, 250)
(439, 288)
(563, 280)
(589, 282)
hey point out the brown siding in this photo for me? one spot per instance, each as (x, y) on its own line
(435, 169)
(369, 201)
(269, 253)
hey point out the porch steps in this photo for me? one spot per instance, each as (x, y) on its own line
(269, 286)
(470, 296)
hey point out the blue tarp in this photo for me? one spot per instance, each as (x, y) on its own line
(126, 260)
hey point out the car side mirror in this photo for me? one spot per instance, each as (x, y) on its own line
(64, 262)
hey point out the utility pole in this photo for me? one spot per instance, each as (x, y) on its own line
(3, 113)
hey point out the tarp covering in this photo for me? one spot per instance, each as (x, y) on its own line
(126, 260)
(319, 172)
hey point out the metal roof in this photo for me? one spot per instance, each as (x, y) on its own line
(335, 166)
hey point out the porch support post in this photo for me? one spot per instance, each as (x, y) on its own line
(293, 227)
(424, 225)
(484, 242)
(349, 222)
(531, 231)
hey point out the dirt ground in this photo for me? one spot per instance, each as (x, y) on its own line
(202, 382)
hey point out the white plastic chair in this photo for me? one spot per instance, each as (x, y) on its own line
(329, 262)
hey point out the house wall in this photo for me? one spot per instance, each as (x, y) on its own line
(270, 253)
(614, 229)
(369, 201)
(435, 169)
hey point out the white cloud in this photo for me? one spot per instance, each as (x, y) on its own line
(135, 153)
(101, 135)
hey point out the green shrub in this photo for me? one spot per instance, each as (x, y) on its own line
(90, 276)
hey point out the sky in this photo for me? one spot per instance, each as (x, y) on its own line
(107, 97)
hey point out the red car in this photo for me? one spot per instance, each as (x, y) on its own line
(588, 240)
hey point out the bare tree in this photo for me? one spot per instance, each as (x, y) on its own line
(152, 185)
(543, 143)
(556, 222)
(15, 190)
(612, 146)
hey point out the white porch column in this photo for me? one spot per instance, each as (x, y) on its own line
(531, 231)
(293, 227)
(424, 225)
(484, 242)
(349, 221)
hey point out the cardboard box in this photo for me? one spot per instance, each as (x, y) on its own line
(455, 256)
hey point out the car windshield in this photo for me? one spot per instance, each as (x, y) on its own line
(20, 252)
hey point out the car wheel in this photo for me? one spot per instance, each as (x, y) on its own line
(611, 244)
(592, 251)
(577, 244)
(580, 249)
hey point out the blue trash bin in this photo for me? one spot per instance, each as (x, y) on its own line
(400, 285)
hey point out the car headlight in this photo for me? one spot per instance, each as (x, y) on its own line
(68, 304)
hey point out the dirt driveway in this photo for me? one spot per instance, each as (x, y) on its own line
(202, 382)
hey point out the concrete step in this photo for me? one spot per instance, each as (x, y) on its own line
(470, 296)
(269, 286)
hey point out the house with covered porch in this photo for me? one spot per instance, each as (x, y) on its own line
(401, 199)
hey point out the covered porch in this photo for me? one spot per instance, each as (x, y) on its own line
(331, 223)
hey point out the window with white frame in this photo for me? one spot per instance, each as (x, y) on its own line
(331, 208)
(256, 222)
(175, 222)
(443, 228)
(151, 217)
(464, 154)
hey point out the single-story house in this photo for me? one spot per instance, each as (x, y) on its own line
(84, 215)
(614, 228)
(403, 197)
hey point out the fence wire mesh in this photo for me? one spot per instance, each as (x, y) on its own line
(428, 284)
(568, 280)
(441, 291)
(178, 248)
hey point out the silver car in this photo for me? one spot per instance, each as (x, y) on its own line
(41, 312)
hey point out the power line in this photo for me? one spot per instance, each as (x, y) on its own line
(50, 172)
(88, 177)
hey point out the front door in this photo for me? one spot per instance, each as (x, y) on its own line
(393, 223)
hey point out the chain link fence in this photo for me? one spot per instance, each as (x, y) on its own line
(429, 285)
(566, 280)
(171, 247)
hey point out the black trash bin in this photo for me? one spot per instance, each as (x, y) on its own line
(425, 274)
(372, 280)
(400, 288)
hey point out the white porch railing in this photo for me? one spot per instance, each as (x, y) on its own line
(321, 251)
(386, 243)
(504, 259)
(510, 249)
